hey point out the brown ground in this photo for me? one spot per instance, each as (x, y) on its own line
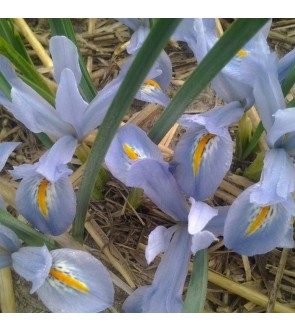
(115, 233)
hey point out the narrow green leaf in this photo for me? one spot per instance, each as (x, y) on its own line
(147, 55)
(231, 42)
(244, 135)
(197, 289)
(29, 235)
(11, 35)
(253, 142)
(63, 27)
(28, 70)
(291, 103)
(5, 87)
(289, 81)
(253, 172)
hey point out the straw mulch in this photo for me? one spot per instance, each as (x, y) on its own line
(115, 232)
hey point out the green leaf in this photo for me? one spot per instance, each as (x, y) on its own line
(146, 56)
(11, 35)
(63, 27)
(28, 70)
(5, 86)
(289, 81)
(253, 172)
(244, 135)
(291, 103)
(253, 142)
(231, 42)
(197, 289)
(29, 235)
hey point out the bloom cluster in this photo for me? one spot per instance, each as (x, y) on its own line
(259, 220)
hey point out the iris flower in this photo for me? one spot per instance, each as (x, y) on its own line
(154, 86)
(204, 153)
(138, 163)
(45, 196)
(196, 229)
(72, 115)
(65, 280)
(261, 218)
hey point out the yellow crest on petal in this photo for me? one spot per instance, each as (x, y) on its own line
(259, 220)
(131, 153)
(197, 157)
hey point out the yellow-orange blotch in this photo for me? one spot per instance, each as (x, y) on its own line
(131, 153)
(42, 197)
(258, 221)
(69, 281)
(152, 83)
(197, 158)
(242, 53)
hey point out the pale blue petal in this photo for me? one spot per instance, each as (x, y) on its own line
(164, 64)
(288, 241)
(151, 94)
(266, 88)
(215, 162)
(283, 123)
(36, 113)
(8, 240)
(60, 296)
(52, 165)
(165, 293)
(65, 55)
(33, 264)
(277, 179)
(137, 39)
(69, 103)
(98, 107)
(160, 186)
(118, 161)
(5, 150)
(202, 240)
(5, 260)
(24, 170)
(216, 224)
(199, 216)
(267, 235)
(216, 119)
(49, 207)
(285, 65)
(158, 241)
(132, 23)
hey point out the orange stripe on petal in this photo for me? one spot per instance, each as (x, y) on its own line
(42, 197)
(69, 281)
(197, 158)
(153, 83)
(130, 152)
(258, 221)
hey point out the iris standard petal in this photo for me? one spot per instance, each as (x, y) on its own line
(217, 119)
(283, 123)
(77, 282)
(52, 165)
(285, 65)
(64, 55)
(8, 240)
(33, 264)
(48, 206)
(199, 216)
(129, 145)
(158, 241)
(69, 103)
(5, 150)
(165, 293)
(137, 39)
(277, 179)
(251, 229)
(216, 224)
(36, 113)
(160, 186)
(203, 160)
(202, 240)
(164, 64)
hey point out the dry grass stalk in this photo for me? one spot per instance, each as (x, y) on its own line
(7, 300)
